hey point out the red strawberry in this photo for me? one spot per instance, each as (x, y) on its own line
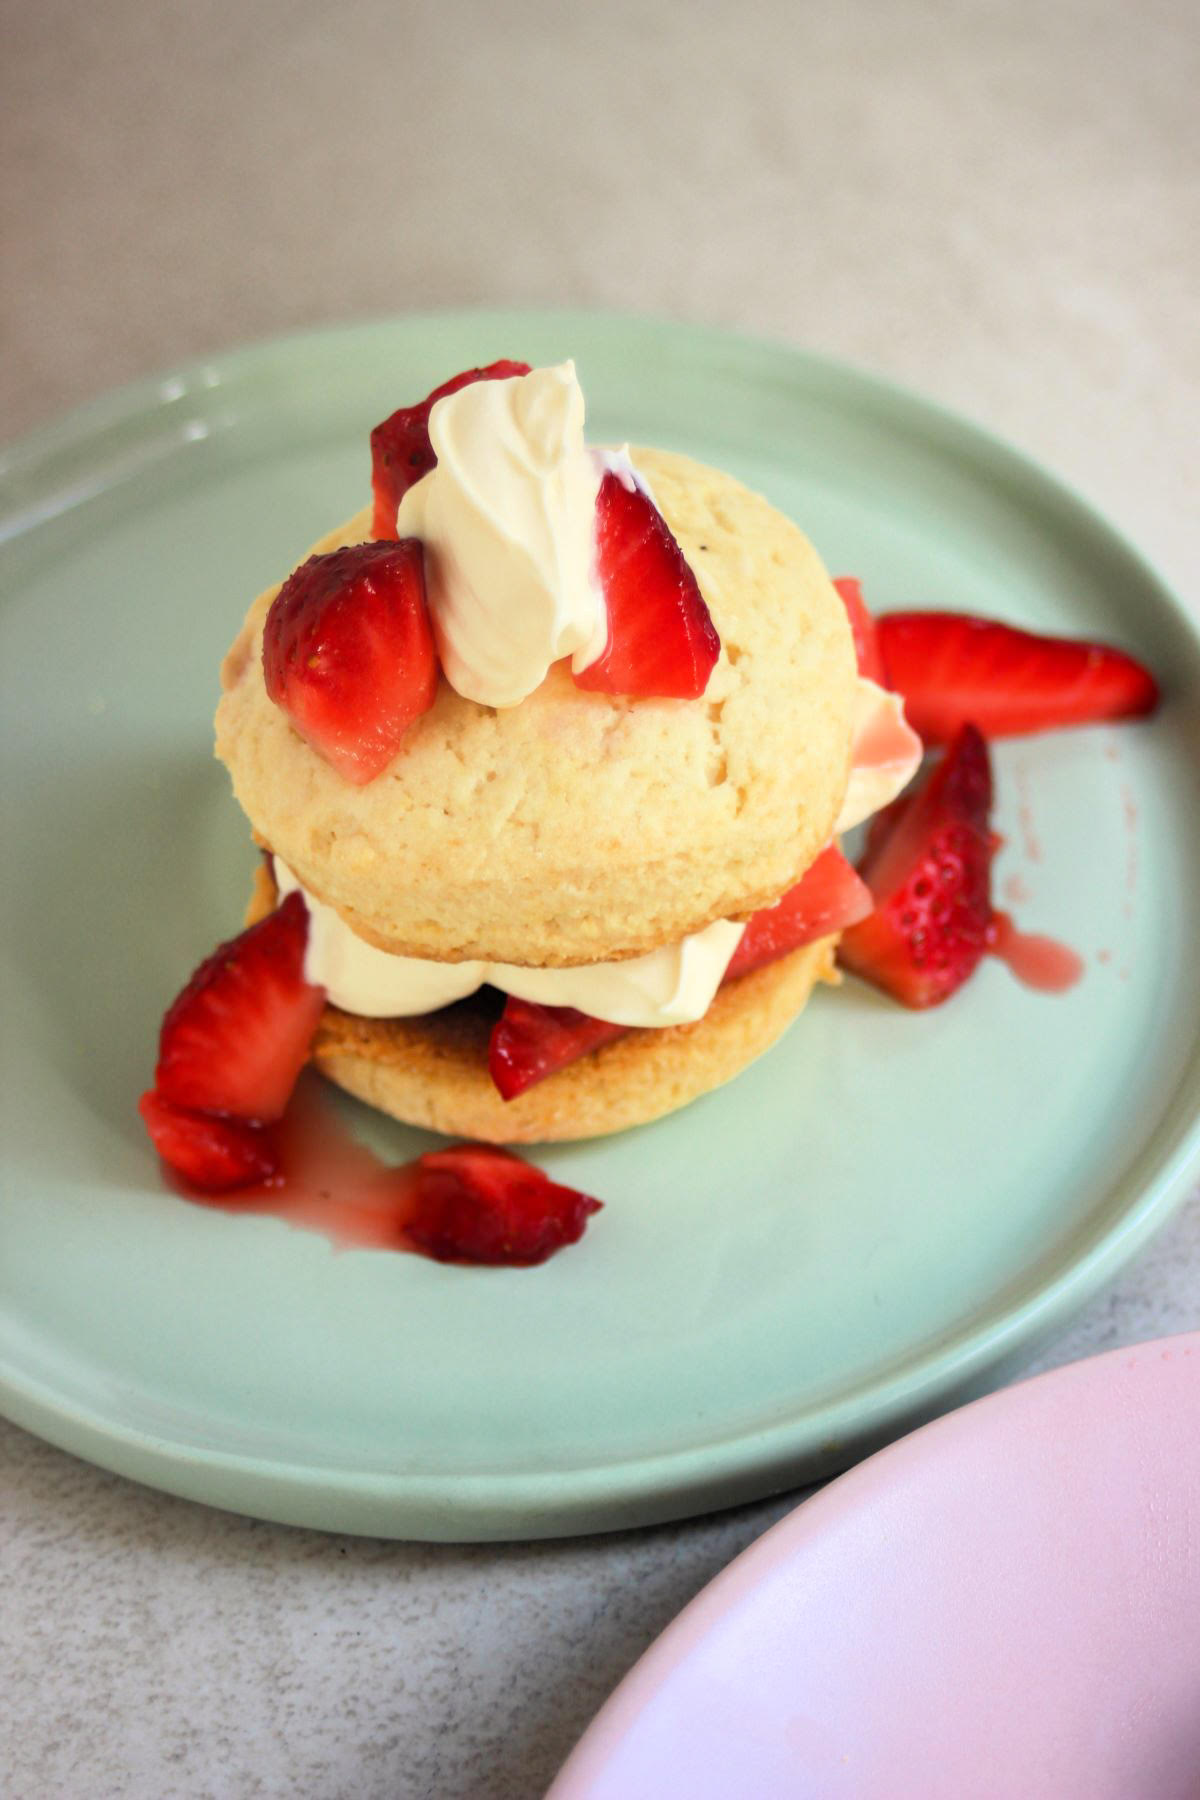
(477, 1204)
(828, 897)
(400, 449)
(661, 640)
(238, 1035)
(951, 667)
(928, 865)
(212, 1154)
(530, 1042)
(864, 630)
(348, 653)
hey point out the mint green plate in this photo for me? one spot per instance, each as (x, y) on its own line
(856, 1232)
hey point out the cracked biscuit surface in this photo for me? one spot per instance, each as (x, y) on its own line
(580, 827)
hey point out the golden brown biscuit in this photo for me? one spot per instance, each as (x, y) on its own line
(582, 827)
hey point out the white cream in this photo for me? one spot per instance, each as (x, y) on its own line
(885, 756)
(671, 986)
(508, 522)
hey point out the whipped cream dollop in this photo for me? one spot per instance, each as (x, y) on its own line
(669, 986)
(508, 521)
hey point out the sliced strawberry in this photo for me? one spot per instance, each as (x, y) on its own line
(400, 448)
(951, 667)
(827, 898)
(530, 1042)
(928, 865)
(661, 638)
(238, 1035)
(348, 653)
(864, 630)
(476, 1204)
(212, 1154)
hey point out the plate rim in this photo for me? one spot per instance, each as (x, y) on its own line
(145, 395)
(642, 1490)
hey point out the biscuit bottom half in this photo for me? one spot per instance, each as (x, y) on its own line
(432, 1070)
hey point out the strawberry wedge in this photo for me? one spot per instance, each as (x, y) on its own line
(231, 1047)
(238, 1035)
(210, 1153)
(400, 448)
(477, 1204)
(928, 865)
(863, 629)
(828, 897)
(951, 667)
(348, 653)
(530, 1041)
(662, 642)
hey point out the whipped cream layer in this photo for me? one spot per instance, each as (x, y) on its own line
(508, 521)
(671, 986)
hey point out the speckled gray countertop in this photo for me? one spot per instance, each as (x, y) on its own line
(993, 201)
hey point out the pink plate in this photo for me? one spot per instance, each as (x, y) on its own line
(1007, 1602)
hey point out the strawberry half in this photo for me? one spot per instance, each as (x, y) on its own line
(348, 653)
(238, 1035)
(863, 629)
(400, 448)
(529, 1042)
(477, 1204)
(662, 642)
(829, 896)
(212, 1154)
(951, 667)
(928, 865)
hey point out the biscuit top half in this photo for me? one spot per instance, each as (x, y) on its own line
(581, 827)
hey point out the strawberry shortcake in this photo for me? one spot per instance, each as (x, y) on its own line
(554, 746)
(549, 753)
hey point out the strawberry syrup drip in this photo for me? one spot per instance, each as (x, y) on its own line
(1040, 962)
(1129, 816)
(329, 1182)
(1030, 841)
